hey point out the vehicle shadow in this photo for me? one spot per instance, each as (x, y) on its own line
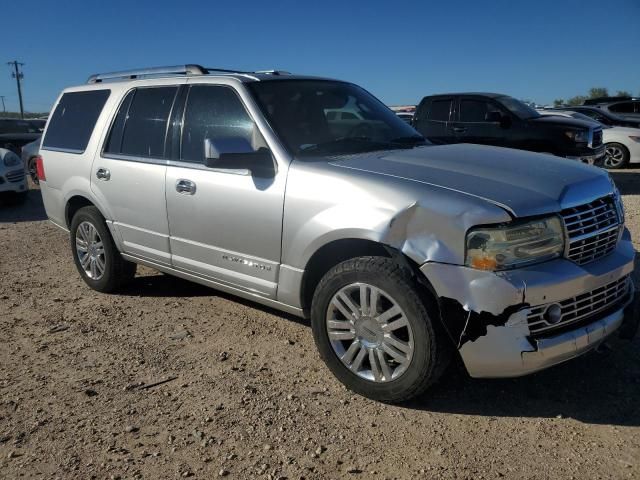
(627, 181)
(601, 387)
(164, 285)
(32, 210)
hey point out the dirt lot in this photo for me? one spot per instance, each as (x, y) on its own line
(246, 395)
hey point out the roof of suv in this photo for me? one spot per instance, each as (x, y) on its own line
(193, 71)
(479, 94)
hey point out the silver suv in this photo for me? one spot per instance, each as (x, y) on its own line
(400, 252)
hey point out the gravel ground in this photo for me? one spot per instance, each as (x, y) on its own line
(245, 394)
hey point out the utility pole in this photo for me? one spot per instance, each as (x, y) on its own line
(18, 75)
(4, 109)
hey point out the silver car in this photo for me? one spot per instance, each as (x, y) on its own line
(401, 253)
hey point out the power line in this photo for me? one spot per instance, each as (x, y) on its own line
(18, 75)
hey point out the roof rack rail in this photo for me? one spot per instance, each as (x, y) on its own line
(144, 72)
(273, 72)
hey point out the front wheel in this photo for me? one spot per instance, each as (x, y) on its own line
(374, 332)
(96, 257)
(616, 156)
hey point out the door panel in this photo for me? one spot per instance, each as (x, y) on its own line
(135, 195)
(472, 126)
(433, 120)
(224, 224)
(129, 176)
(229, 229)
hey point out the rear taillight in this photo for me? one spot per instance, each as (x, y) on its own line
(40, 169)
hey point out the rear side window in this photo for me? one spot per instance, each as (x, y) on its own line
(140, 126)
(439, 110)
(73, 120)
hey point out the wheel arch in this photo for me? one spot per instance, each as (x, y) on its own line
(334, 252)
(74, 203)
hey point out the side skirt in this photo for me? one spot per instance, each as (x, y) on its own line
(216, 285)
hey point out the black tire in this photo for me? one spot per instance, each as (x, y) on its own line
(117, 271)
(432, 349)
(617, 156)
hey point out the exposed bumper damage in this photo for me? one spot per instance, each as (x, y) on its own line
(485, 313)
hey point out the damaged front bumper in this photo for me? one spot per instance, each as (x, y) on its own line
(496, 318)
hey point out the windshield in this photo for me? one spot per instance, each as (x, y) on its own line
(329, 117)
(520, 109)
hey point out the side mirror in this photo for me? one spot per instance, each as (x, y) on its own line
(236, 153)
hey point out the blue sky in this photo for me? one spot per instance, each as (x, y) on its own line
(400, 51)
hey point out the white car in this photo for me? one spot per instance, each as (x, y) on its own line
(622, 144)
(12, 174)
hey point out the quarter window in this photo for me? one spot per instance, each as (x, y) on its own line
(73, 120)
(214, 113)
(140, 126)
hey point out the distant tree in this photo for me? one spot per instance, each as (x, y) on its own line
(623, 93)
(577, 100)
(558, 102)
(598, 92)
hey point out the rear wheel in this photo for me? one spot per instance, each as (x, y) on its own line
(96, 257)
(617, 156)
(373, 330)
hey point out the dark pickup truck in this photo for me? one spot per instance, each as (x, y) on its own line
(503, 121)
(15, 133)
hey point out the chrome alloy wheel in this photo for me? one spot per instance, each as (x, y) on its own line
(369, 332)
(90, 250)
(614, 156)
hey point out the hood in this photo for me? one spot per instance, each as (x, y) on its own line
(523, 183)
(563, 121)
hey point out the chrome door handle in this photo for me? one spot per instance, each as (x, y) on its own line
(186, 187)
(103, 174)
(459, 129)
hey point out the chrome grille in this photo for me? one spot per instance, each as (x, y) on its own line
(592, 230)
(15, 176)
(580, 307)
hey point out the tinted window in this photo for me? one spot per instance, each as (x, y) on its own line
(114, 142)
(73, 120)
(140, 126)
(475, 110)
(440, 110)
(215, 113)
(624, 107)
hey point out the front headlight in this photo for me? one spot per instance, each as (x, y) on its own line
(514, 245)
(578, 136)
(11, 159)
